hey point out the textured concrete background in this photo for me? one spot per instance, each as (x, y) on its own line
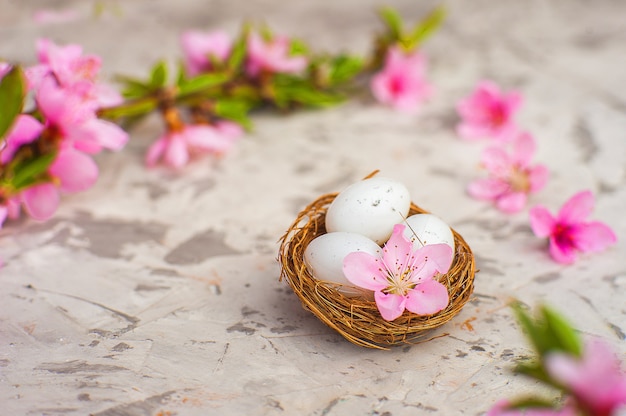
(156, 293)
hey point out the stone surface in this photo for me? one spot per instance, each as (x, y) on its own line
(158, 294)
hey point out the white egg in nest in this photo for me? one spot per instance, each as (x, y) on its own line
(325, 254)
(370, 207)
(424, 229)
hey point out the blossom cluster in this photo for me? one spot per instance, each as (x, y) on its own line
(48, 149)
(490, 113)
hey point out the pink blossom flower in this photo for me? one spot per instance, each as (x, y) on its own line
(568, 231)
(40, 201)
(76, 123)
(24, 131)
(10, 208)
(489, 113)
(200, 47)
(73, 71)
(401, 84)
(272, 56)
(502, 409)
(511, 177)
(177, 147)
(595, 379)
(402, 278)
(71, 171)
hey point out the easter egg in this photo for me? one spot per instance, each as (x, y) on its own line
(423, 229)
(325, 254)
(370, 207)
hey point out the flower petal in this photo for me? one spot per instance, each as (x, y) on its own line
(496, 161)
(562, 253)
(96, 133)
(391, 306)
(155, 151)
(593, 237)
(487, 189)
(471, 131)
(538, 177)
(176, 153)
(427, 298)
(511, 202)
(364, 270)
(25, 129)
(524, 147)
(76, 171)
(4, 211)
(430, 260)
(541, 221)
(207, 138)
(397, 251)
(229, 128)
(41, 201)
(577, 208)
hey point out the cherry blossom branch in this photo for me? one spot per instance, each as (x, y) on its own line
(47, 149)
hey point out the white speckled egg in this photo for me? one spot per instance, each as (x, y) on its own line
(423, 229)
(370, 207)
(324, 257)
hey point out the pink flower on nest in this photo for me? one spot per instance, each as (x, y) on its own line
(568, 231)
(595, 380)
(401, 84)
(200, 47)
(272, 56)
(402, 278)
(488, 113)
(511, 177)
(177, 147)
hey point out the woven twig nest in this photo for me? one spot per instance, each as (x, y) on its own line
(357, 318)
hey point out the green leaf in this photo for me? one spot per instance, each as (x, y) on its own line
(238, 53)
(531, 403)
(533, 369)
(549, 332)
(201, 83)
(344, 68)
(181, 76)
(566, 338)
(425, 28)
(290, 90)
(12, 93)
(132, 87)
(246, 93)
(158, 75)
(27, 171)
(536, 332)
(133, 108)
(298, 47)
(235, 110)
(393, 21)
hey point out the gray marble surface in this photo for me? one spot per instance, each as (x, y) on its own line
(158, 294)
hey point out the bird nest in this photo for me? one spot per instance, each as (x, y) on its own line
(357, 318)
